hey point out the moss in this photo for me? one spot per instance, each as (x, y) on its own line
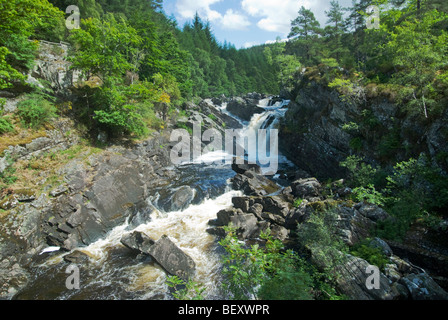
(20, 137)
(322, 206)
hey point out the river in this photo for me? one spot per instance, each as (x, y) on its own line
(115, 272)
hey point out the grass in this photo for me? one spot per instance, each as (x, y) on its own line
(42, 173)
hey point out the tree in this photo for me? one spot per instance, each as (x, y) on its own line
(418, 53)
(305, 29)
(105, 48)
(20, 21)
(335, 29)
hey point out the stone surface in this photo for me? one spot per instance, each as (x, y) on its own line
(172, 259)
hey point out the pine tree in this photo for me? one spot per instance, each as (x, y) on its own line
(305, 29)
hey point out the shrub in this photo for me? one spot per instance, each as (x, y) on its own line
(369, 194)
(122, 120)
(35, 111)
(5, 125)
(263, 273)
(359, 172)
(372, 255)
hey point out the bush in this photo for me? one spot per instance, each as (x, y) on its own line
(35, 111)
(5, 125)
(360, 173)
(263, 273)
(372, 255)
(123, 120)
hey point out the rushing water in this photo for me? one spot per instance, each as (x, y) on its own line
(115, 272)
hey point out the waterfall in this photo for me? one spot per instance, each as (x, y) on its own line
(115, 272)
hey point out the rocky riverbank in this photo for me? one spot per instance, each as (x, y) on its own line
(276, 208)
(80, 200)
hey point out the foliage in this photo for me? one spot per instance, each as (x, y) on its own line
(21, 20)
(297, 203)
(7, 177)
(264, 273)
(105, 48)
(183, 290)
(36, 110)
(418, 52)
(369, 194)
(359, 172)
(371, 254)
(5, 125)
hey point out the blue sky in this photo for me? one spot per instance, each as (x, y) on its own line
(247, 22)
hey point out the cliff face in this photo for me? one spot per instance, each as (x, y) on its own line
(321, 129)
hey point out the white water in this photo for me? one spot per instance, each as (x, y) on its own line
(187, 229)
(114, 273)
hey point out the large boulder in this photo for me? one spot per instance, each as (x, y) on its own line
(243, 109)
(172, 259)
(254, 184)
(165, 252)
(353, 277)
(422, 287)
(305, 188)
(137, 241)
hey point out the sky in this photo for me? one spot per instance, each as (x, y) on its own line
(245, 23)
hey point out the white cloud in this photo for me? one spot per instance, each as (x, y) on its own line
(188, 8)
(234, 21)
(231, 20)
(276, 16)
(249, 44)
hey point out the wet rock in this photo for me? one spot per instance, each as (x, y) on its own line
(242, 168)
(77, 257)
(137, 241)
(180, 200)
(243, 109)
(172, 259)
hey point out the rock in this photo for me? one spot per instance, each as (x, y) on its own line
(253, 184)
(246, 225)
(352, 279)
(137, 241)
(243, 109)
(276, 205)
(422, 287)
(371, 211)
(241, 203)
(391, 271)
(305, 188)
(257, 210)
(294, 217)
(382, 245)
(59, 191)
(77, 257)
(242, 168)
(353, 225)
(172, 259)
(279, 232)
(182, 198)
